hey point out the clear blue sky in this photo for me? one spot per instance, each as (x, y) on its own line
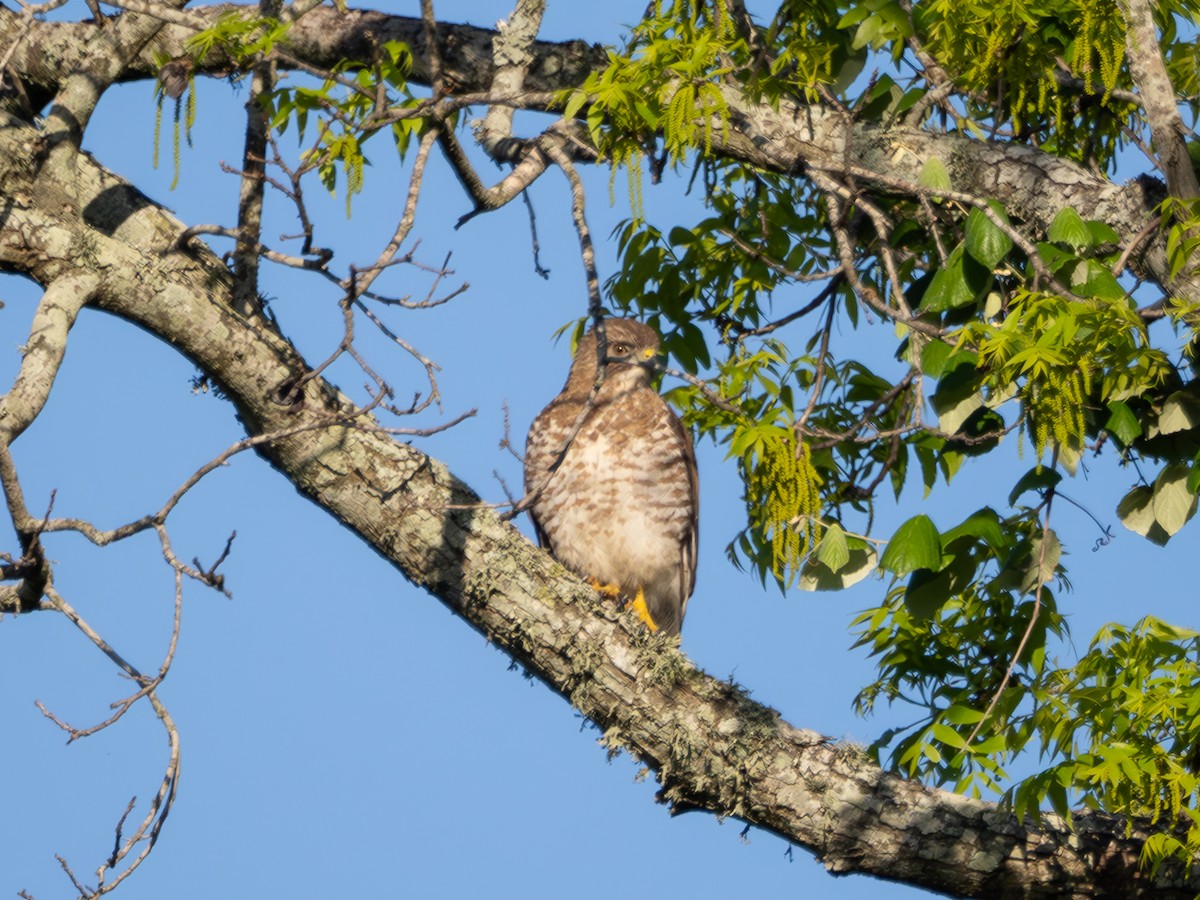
(343, 734)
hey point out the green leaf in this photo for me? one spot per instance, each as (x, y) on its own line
(1045, 552)
(574, 104)
(1122, 423)
(1136, 512)
(986, 242)
(1069, 228)
(962, 715)
(949, 288)
(933, 357)
(849, 71)
(1173, 503)
(980, 424)
(1038, 478)
(867, 32)
(983, 524)
(960, 281)
(1102, 233)
(959, 393)
(934, 175)
(816, 576)
(1091, 279)
(915, 545)
(928, 591)
(1179, 413)
(949, 736)
(681, 237)
(833, 551)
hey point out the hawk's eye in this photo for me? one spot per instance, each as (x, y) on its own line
(619, 349)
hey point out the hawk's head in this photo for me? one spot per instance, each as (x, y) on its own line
(629, 350)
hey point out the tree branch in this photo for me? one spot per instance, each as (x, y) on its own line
(253, 186)
(711, 746)
(44, 352)
(786, 137)
(1158, 98)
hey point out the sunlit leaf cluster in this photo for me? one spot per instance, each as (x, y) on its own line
(664, 86)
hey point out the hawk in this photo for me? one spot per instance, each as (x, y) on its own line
(613, 486)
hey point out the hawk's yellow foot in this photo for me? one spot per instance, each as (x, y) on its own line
(611, 591)
(639, 607)
(637, 604)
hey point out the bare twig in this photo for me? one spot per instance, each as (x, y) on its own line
(587, 250)
(814, 393)
(868, 293)
(147, 831)
(250, 196)
(317, 263)
(1033, 617)
(407, 218)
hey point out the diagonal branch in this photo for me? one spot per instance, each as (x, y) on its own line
(711, 746)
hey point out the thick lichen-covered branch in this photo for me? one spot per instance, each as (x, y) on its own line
(711, 746)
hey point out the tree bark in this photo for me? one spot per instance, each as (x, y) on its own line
(65, 216)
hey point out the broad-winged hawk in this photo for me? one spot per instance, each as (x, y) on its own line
(620, 505)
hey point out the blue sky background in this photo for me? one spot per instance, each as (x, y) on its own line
(343, 734)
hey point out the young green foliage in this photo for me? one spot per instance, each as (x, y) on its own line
(1024, 330)
(993, 323)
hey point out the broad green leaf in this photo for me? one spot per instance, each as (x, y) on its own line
(981, 424)
(1091, 279)
(928, 591)
(949, 736)
(1054, 256)
(958, 395)
(1122, 423)
(986, 242)
(681, 237)
(915, 545)
(833, 551)
(962, 715)
(952, 412)
(983, 524)
(1136, 512)
(1102, 233)
(1069, 228)
(850, 70)
(1180, 412)
(867, 32)
(1045, 552)
(1173, 503)
(1069, 456)
(1038, 478)
(816, 576)
(993, 305)
(854, 16)
(933, 357)
(949, 288)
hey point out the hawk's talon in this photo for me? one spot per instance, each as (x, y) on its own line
(637, 604)
(611, 591)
